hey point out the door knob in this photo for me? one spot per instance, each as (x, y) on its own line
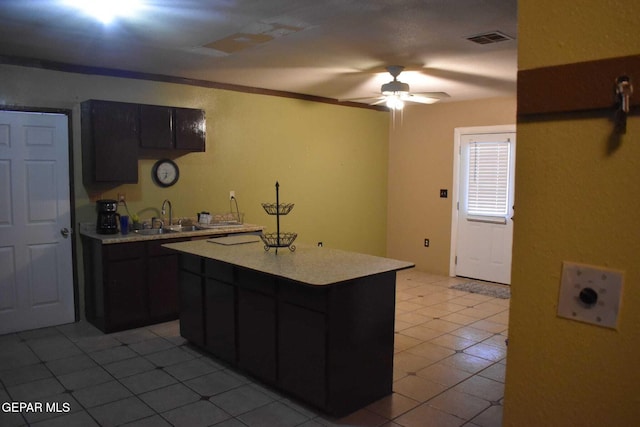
(65, 232)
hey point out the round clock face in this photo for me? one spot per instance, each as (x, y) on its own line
(165, 172)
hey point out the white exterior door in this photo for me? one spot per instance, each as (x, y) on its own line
(36, 273)
(485, 206)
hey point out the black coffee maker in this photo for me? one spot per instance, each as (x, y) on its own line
(108, 217)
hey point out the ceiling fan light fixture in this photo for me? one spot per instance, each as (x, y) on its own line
(395, 94)
(394, 102)
(394, 86)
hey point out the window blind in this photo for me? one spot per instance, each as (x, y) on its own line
(488, 173)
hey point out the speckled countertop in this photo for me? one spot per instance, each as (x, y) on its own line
(88, 230)
(308, 264)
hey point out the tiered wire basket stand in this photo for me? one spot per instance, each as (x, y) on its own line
(278, 239)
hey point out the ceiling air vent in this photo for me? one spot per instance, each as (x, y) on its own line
(488, 38)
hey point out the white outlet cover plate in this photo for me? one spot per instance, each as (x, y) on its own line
(605, 282)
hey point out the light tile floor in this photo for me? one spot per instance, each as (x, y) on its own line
(449, 371)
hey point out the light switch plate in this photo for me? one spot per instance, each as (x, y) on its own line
(590, 294)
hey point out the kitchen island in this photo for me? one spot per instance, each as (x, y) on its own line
(316, 323)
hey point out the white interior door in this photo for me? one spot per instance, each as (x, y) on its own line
(36, 273)
(485, 206)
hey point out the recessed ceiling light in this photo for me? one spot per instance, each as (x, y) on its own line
(107, 10)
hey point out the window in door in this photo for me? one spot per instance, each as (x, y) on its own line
(488, 179)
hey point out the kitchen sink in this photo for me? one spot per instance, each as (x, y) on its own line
(166, 230)
(153, 231)
(183, 228)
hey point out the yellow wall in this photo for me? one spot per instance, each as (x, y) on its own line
(331, 161)
(576, 202)
(420, 164)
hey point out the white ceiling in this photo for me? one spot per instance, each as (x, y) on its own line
(329, 48)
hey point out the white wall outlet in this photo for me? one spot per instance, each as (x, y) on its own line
(122, 198)
(590, 294)
(232, 195)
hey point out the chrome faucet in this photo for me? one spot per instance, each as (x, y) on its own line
(167, 201)
(154, 219)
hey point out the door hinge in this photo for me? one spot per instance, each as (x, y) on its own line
(456, 260)
(457, 206)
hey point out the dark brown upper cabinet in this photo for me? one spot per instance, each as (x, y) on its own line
(116, 134)
(156, 127)
(172, 128)
(190, 129)
(110, 138)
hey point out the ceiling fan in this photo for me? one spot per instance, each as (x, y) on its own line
(395, 93)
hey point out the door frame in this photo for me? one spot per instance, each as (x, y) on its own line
(72, 198)
(455, 189)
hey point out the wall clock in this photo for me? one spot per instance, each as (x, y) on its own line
(165, 173)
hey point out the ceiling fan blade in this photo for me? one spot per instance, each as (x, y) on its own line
(358, 99)
(439, 95)
(366, 98)
(421, 99)
(468, 78)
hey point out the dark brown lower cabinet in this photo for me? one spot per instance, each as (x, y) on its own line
(128, 285)
(162, 271)
(220, 319)
(191, 307)
(256, 323)
(329, 346)
(220, 314)
(302, 353)
(256, 334)
(125, 287)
